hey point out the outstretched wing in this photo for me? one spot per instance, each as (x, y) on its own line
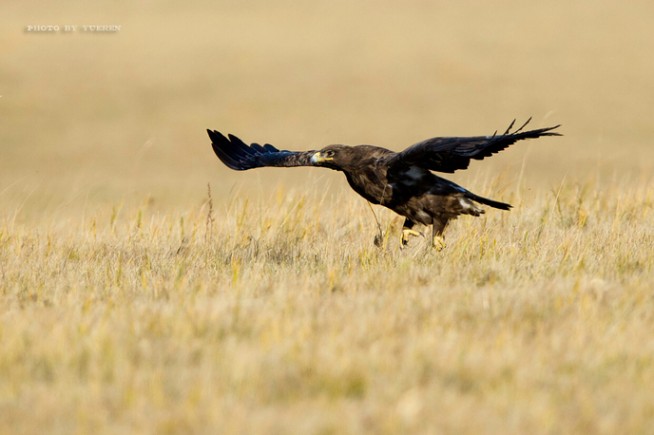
(449, 154)
(237, 155)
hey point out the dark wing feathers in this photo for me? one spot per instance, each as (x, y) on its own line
(442, 154)
(449, 154)
(237, 155)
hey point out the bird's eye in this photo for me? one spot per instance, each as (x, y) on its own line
(329, 153)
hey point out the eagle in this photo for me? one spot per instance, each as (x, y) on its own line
(401, 181)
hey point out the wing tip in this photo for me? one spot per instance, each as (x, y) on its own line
(225, 151)
(533, 134)
(216, 136)
(548, 131)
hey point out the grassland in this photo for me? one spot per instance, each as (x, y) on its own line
(539, 320)
(136, 299)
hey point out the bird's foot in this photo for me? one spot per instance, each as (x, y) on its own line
(406, 233)
(439, 243)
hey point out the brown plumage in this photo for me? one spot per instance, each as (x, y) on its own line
(400, 181)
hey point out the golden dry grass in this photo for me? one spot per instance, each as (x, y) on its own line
(131, 301)
(292, 321)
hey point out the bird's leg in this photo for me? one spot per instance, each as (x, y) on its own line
(438, 241)
(407, 232)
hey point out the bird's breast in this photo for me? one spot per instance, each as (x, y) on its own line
(372, 185)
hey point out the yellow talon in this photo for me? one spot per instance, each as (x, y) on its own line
(439, 243)
(406, 233)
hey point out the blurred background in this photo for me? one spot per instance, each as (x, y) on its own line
(90, 119)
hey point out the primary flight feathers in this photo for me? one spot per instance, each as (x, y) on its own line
(239, 156)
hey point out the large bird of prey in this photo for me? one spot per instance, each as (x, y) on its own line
(402, 181)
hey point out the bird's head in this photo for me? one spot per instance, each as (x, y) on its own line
(333, 156)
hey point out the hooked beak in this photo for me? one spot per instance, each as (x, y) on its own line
(318, 158)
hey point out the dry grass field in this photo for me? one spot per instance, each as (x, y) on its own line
(146, 288)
